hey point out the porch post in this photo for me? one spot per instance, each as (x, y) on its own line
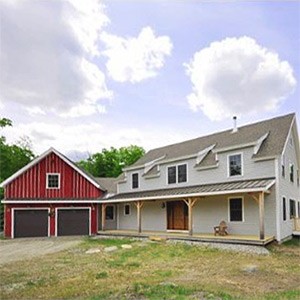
(190, 203)
(261, 216)
(139, 205)
(103, 209)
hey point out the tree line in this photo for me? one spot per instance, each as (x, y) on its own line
(107, 163)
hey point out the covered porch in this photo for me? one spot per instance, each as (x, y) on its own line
(188, 208)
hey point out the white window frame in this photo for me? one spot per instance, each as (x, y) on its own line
(228, 165)
(47, 181)
(243, 209)
(176, 166)
(132, 181)
(114, 212)
(124, 210)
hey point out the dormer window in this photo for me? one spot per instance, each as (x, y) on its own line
(53, 181)
(177, 174)
(235, 164)
(135, 180)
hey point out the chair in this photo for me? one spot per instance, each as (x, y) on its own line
(221, 229)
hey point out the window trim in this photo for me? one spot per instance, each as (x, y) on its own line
(228, 165)
(138, 181)
(295, 209)
(114, 212)
(124, 210)
(47, 181)
(243, 209)
(176, 166)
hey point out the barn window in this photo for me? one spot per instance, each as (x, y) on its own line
(53, 180)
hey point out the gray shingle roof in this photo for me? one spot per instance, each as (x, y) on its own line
(277, 128)
(225, 187)
(109, 183)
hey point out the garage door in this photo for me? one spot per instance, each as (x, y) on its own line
(73, 222)
(31, 223)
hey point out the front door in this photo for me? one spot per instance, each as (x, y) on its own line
(177, 215)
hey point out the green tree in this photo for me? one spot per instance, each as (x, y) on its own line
(109, 163)
(12, 158)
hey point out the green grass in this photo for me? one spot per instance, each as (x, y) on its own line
(153, 271)
(295, 241)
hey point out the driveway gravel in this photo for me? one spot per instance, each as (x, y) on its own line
(25, 248)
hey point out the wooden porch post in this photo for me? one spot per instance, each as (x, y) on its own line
(139, 205)
(261, 216)
(103, 210)
(190, 203)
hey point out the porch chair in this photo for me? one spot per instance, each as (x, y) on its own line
(221, 229)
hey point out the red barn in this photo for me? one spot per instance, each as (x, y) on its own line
(51, 196)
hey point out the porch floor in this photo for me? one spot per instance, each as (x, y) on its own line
(200, 237)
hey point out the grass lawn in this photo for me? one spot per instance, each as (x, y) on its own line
(154, 270)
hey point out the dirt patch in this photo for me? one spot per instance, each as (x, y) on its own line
(20, 249)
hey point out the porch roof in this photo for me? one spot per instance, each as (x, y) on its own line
(242, 186)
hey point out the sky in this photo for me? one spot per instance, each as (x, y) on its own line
(81, 76)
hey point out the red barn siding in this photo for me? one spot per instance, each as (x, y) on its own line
(32, 183)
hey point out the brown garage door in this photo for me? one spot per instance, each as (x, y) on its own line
(30, 223)
(73, 222)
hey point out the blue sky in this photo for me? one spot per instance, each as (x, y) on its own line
(114, 73)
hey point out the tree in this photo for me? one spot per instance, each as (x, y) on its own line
(12, 158)
(109, 163)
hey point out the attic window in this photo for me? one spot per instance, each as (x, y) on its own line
(53, 181)
(283, 166)
(291, 173)
(135, 180)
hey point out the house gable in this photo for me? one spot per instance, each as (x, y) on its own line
(31, 181)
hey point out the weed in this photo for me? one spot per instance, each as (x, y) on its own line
(102, 275)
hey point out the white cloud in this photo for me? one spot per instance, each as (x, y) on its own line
(135, 59)
(47, 50)
(238, 76)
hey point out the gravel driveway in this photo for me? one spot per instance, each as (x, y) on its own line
(20, 249)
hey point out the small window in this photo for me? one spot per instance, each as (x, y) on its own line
(291, 173)
(109, 213)
(292, 209)
(182, 173)
(53, 181)
(235, 165)
(171, 175)
(135, 180)
(236, 209)
(283, 166)
(127, 209)
(283, 208)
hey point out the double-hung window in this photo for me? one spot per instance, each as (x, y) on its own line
(292, 208)
(110, 212)
(235, 164)
(236, 210)
(126, 209)
(291, 173)
(53, 181)
(283, 208)
(177, 174)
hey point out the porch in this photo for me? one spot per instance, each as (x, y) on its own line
(196, 237)
(190, 213)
